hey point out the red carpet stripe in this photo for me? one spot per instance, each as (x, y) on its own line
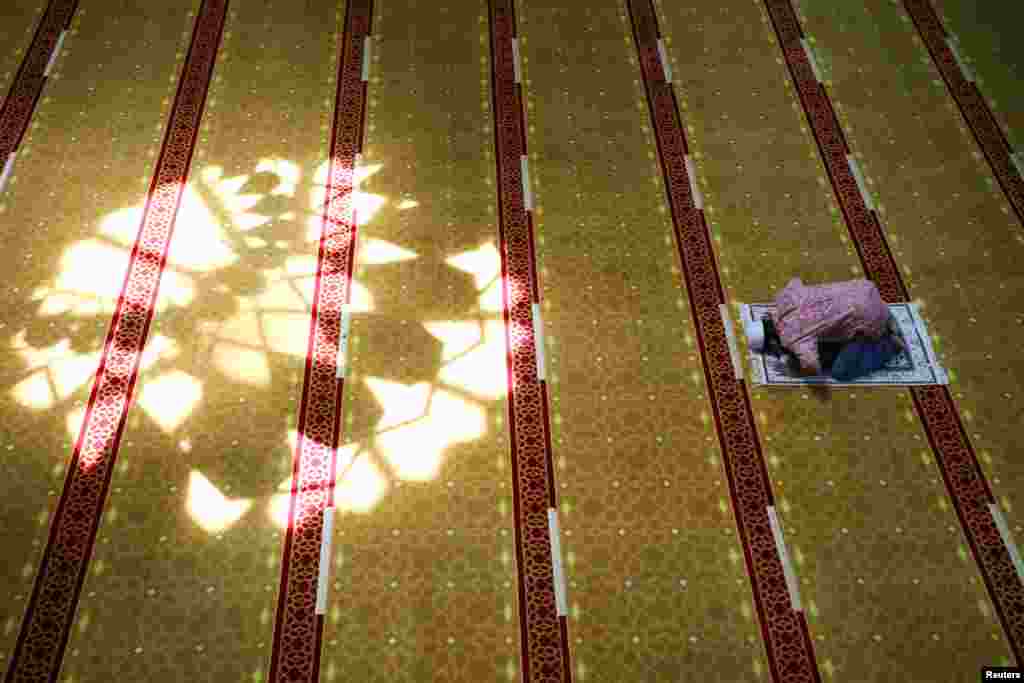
(545, 638)
(298, 630)
(47, 623)
(785, 632)
(20, 102)
(975, 109)
(954, 454)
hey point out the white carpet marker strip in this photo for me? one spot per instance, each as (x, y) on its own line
(810, 58)
(366, 59)
(8, 169)
(964, 69)
(325, 561)
(515, 60)
(734, 351)
(56, 51)
(940, 372)
(861, 185)
(561, 604)
(538, 339)
(787, 566)
(524, 166)
(691, 172)
(1004, 532)
(346, 323)
(665, 66)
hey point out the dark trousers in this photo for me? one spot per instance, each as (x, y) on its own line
(858, 357)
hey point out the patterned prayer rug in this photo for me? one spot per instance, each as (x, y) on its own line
(916, 366)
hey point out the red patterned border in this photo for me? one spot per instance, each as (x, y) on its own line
(29, 81)
(785, 632)
(47, 623)
(545, 638)
(954, 454)
(975, 109)
(298, 630)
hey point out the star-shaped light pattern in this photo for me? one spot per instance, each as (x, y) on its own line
(224, 231)
(421, 421)
(212, 510)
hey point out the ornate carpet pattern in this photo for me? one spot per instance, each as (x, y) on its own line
(966, 482)
(388, 340)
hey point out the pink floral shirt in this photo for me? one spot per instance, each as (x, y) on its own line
(837, 311)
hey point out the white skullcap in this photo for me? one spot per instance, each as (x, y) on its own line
(755, 334)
